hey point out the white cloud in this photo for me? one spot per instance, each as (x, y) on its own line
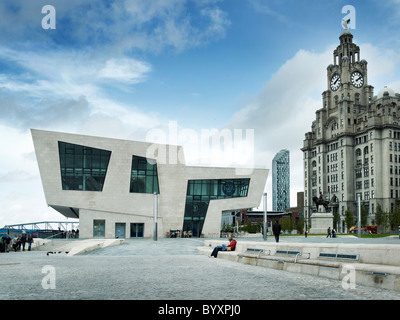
(125, 70)
(265, 8)
(119, 25)
(172, 24)
(21, 193)
(383, 65)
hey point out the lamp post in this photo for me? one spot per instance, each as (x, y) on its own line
(155, 208)
(359, 215)
(265, 216)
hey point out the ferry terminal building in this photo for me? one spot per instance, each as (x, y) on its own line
(109, 185)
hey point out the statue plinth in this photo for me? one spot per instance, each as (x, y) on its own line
(321, 221)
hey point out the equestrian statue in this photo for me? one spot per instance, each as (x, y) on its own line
(320, 202)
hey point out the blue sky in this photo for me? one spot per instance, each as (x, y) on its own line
(125, 67)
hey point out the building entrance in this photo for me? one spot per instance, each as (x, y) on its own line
(137, 230)
(99, 227)
(120, 230)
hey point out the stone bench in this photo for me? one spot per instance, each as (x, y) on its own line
(376, 265)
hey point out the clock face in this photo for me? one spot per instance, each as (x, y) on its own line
(357, 79)
(335, 82)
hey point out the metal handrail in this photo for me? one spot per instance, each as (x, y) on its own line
(52, 236)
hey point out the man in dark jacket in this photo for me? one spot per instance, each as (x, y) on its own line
(276, 229)
(23, 240)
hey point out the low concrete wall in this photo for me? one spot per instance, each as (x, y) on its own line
(378, 265)
(385, 254)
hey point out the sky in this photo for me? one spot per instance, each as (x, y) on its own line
(251, 71)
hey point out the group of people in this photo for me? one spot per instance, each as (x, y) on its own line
(331, 233)
(17, 243)
(68, 234)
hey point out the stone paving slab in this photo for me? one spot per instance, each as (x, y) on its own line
(168, 269)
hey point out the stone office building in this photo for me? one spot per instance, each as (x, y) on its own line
(353, 147)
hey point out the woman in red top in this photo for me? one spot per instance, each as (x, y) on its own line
(224, 247)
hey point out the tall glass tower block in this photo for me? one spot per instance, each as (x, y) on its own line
(281, 181)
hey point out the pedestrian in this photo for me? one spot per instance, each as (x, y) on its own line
(276, 229)
(333, 233)
(15, 242)
(2, 245)
(329, 232)
(306, 233)
(8, 243)
(30, 241)
(224, 247)
(23, 241)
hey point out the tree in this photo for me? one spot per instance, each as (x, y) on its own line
(348, 218)
(300, 225)
(395, 217)
(286, 224)
(364, 215)
(227, 227)
(251, 228)
(223, 227)
(336, 219)
(381, 218)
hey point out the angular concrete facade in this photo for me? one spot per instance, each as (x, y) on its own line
(116, 208)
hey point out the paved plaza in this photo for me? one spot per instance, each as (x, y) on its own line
(167, 269)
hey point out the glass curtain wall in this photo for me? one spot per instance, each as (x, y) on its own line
(201, 192)
(82, 168)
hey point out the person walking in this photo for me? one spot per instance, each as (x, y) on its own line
(8, 243)
(2, 245)
(15, 242)
(30, 241)
(23, 241)
(276, 229)
(329, 232)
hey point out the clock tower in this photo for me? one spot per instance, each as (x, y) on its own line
(347, 77)
(347, 84)
(353, 148)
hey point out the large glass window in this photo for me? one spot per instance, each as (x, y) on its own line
(144, 177)
(200, 192)
(82, 168)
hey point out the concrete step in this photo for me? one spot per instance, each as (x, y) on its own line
(56, 245)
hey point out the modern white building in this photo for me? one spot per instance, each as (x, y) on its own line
(109, 184)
